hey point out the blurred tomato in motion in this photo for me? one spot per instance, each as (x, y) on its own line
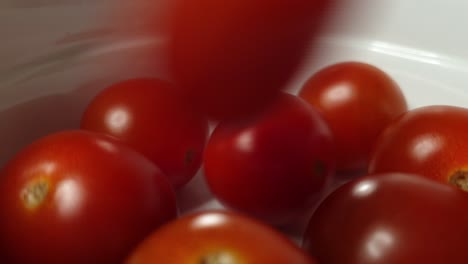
(148, 115)
(232, 57)
(80, 197)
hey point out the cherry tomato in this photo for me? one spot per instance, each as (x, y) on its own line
(429, 141)
(216, 237)
(80, 197)
(357, 100)
(148, 116)
(231, 57)
(392, 218)
(274, 165)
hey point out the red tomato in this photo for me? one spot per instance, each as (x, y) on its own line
(216, 237)
(357, 100)
(80, 197)
(274, 165)
(232, 57)
(429, 141)
(148, 116)
(392, 218)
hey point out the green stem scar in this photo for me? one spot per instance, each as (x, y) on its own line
(460, 179)
(218, 258)
(34, 194)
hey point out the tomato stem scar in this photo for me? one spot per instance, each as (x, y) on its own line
(218, 258)
(460, 179)
(34, 194)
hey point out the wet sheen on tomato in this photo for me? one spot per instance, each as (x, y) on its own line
(358, 101)
(80, 197)
(274, 165)
(390, 218)
(430, 141)
(148, 115)
(217, 237)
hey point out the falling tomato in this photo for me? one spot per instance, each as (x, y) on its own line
(232, 57)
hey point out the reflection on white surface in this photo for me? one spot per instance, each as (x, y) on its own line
(117, 119)
(69, 197)
(378, 243)
(338, 94)
(245, 141)
(426, 145)
(208, 220)
(364, 188)
(405, 53)
(127, 45)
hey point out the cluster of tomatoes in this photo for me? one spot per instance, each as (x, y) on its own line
(106, 193)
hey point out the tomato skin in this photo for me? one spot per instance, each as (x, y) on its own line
(274, 165)
(191, 238)
(429, 141)
(101, 200)
(151, 118)
(232, 57)
(358, 101)
(390, 218)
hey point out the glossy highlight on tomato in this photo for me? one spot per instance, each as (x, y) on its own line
(274, 165)
(231, 58)
(148, 115)
(80, 197)
(390, 218)
(358, 101)
(429, 141)
(217, 237)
